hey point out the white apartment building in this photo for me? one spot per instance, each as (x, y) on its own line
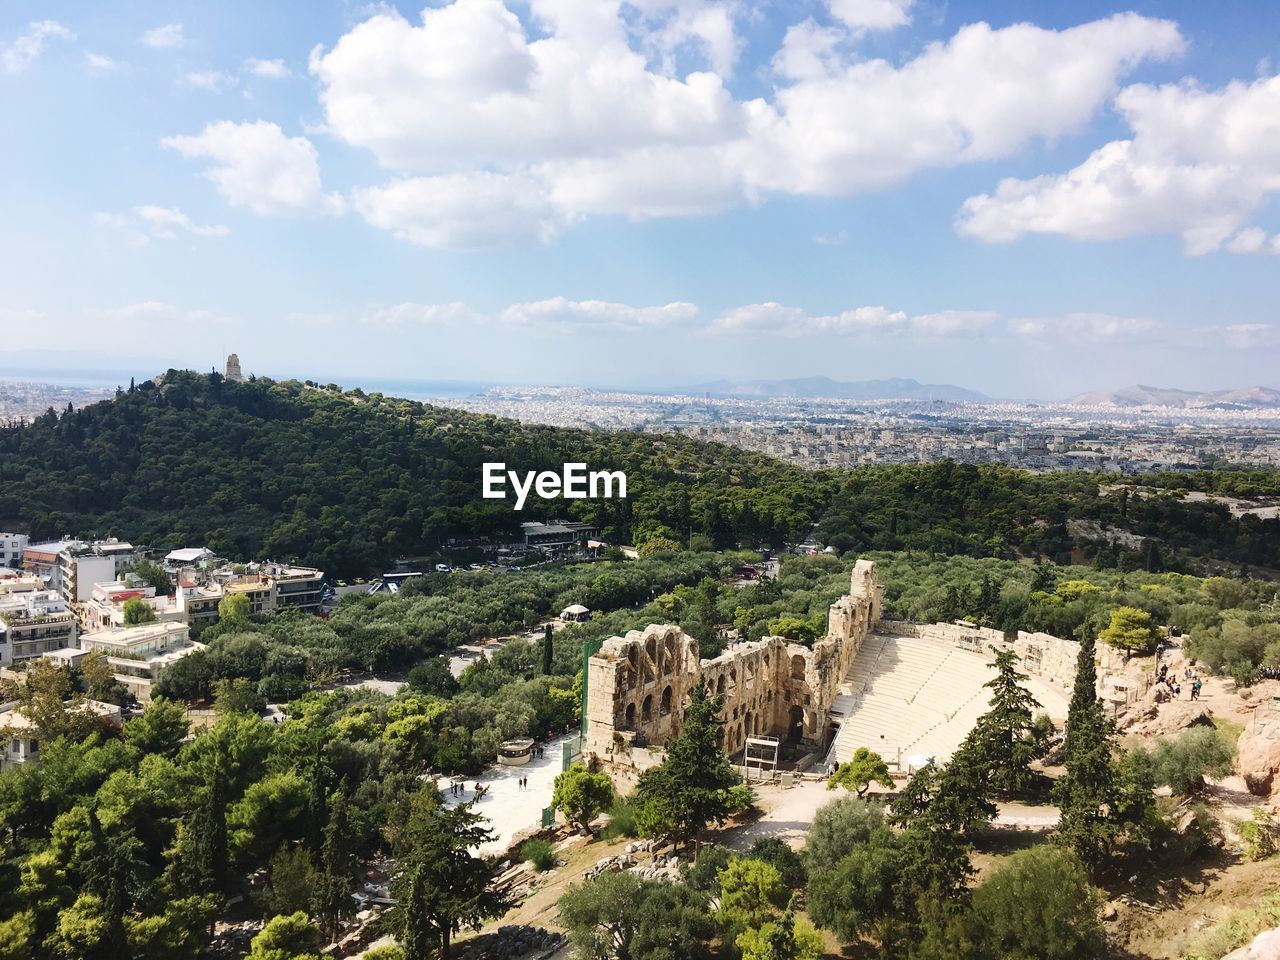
(139, 655)
(82, 565)
(11, 547)
(32, 621)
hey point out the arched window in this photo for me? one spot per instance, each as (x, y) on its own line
(630, 721)
(665, 707)
(646, 709)
(797, 667)
(720, 685)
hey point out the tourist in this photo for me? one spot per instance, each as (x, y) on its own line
(1195, 689)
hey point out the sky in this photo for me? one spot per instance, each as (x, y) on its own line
(645, 194)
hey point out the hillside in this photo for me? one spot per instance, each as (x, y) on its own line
(1144, 396)
(351, 482)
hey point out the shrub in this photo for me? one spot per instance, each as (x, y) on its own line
(1261, 835)
(622, 820)
(540, 853)
(1183, 763)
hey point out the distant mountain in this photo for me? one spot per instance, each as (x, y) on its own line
(895, 389)
(1144, 396)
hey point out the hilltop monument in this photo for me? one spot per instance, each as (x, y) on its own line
(233, 368)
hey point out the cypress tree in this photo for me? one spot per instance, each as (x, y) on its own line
(337, 866)
(547, 650)
(1086, 793)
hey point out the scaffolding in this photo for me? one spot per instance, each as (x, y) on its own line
(761, 754)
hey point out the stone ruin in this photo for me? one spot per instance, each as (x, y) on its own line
(639, 685)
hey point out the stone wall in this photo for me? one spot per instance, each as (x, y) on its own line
(639, 685)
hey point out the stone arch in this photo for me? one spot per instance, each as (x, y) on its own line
(720, 686)
(665, 706)
(629, 717)
(795, 725)
(797, 667)
(646, 709)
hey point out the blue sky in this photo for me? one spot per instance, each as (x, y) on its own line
(654, 193)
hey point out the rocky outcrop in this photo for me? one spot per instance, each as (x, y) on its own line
(1259, 750)
(1147, 718)
(1265, 946)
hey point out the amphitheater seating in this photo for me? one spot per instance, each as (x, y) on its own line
(908, 697)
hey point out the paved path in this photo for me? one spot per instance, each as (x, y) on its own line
(508, 808)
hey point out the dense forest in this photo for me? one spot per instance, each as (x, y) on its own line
(351, 482)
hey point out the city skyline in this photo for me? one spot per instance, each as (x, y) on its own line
(645, 195)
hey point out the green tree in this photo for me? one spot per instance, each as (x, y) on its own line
(582, 795)
(1184, 762)
(548, 650)
(1131, 629)
(287, 937)
(751, 892)
(692, 787)
(1004, 736)
(619, 916)
(1037, 905)
(154, 574)
(434, 677)
(100, 681)
(787, 938)
(136, 611)
(443, 887)
(292, 880)
(338, 865)
(234, 608)
(160, 729)
(205, 853)
(1086, 793)
(863, 769)
(237, 696)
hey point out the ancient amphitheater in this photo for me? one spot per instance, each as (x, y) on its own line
(907, 691)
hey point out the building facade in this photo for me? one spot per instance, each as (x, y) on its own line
(12, 546)
(33, 622)
(638, 686)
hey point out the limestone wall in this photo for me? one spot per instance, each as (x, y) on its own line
(639, 685)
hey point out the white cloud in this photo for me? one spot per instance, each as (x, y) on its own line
(268, 69)
(953, 323)
(149, 221)
(872, 14)
(213, 81)
(774, 317)
(1092, 327)
(536, 131)
(832, 239)
(421, 314)
(168, 36)
(101, 62)
(598, 314)
(255, 165)
(1234, 336)
(20, 52)
(1201, 164)
(462, 211)
(665, 28)
(148, 314)
(809, 51)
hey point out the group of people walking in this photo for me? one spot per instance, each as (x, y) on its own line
(1173, 685)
